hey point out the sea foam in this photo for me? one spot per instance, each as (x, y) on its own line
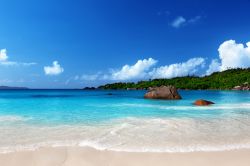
(13, 118)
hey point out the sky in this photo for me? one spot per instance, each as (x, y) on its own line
(78, 43)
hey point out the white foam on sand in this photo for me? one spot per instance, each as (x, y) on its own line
(135, 135)
(13, 118)
(192, 107)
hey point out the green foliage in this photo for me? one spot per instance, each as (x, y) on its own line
(218, 80)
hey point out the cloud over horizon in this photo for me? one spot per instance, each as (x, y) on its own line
(136, 71)
(143, 69)
(213, 67)
(231, 55)
(55, 69)
(4, 60)
(189, 67)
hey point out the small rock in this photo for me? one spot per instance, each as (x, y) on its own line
(202, 102)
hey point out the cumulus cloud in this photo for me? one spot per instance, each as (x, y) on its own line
(3, 55)
(234, 55)
(231, 55)
(181, 21)
(55, 69)
(142, 69)
(213, 67)
(136, 71)
(189, 67)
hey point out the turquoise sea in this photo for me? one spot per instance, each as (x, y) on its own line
(123, 121)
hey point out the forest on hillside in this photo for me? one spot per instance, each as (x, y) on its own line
(218, 80)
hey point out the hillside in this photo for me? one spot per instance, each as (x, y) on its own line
(218, 80)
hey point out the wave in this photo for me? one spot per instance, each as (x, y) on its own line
(13, 118)
(191, 107)
(101, 147)
(135, 135)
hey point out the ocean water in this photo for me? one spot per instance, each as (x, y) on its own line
(123, 121)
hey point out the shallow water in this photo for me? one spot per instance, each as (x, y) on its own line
(123, 121)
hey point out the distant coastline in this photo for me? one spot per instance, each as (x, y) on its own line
(231, 79)
(12, 88)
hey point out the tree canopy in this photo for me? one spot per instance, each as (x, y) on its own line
(218, 80)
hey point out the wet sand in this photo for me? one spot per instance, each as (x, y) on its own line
(81, 156)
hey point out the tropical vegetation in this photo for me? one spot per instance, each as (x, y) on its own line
(218, 80)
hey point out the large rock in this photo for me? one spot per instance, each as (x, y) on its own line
(163, 92)
(202, 102)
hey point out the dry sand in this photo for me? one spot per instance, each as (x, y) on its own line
(76, 156)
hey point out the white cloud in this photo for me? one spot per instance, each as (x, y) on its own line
(189, 67)
(4, 60)
(55, 69)
(136, 71)
(213, 67)
(181, 21)
(12, 63)
(178, 22)
(231, 55)
(3, 55)
(141, 70)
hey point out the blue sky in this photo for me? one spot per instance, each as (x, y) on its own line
(77, 43)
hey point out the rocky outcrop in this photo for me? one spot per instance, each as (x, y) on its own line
(244, 86)
(163, 92)
(202, 102)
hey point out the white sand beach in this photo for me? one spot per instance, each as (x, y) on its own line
(79, 156)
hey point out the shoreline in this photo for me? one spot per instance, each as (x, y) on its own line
(175, 150)
(71, 156)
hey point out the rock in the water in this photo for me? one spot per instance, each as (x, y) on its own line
(203, 102)
(163, 92)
